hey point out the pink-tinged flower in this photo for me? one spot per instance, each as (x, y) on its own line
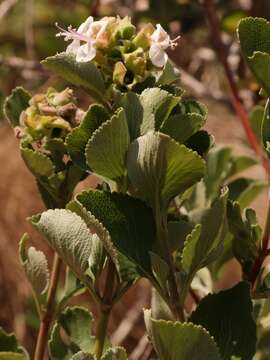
(84, 40)
(160, 41)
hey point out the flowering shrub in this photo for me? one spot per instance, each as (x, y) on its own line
(162, 210)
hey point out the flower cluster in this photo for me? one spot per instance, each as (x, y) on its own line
(124, 56)
(53, 114)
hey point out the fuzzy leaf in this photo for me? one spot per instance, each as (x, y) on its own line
(175, 341)
(76, 322)
(36, 267)
(39, 164)
(129, 222)
(254, 39)
(14, 104)
(107, 148)
(69, 236)
(157, 105)
(81, 74)
(117, 353)
(228, 316)
(77, 140)
(255, 119)
(160, 168)
(177, 233)
(82, 355)
(130, 102)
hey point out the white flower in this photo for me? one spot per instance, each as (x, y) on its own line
(160, 41)
(89, 34)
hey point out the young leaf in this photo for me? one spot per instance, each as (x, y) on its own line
(160, 168)
(117, 353)
(36, 267)
(38, 163)
(69, 236)
(129, 222)
(265, 129)
(107, 148)
(228, 317)
(169, 74)
(81, 74)
(157, 105)
(76, 323)
(77, 140)
(175, 340)
(254, 39)
(15, 104)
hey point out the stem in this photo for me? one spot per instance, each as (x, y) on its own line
(105, 309)
(162, 234)
(48, 314)
(222, 53)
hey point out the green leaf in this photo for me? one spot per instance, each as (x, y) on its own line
(38, 163)
(265, 130)
(245, 190)
(160, 168)
(255, 119)
(76, 323)
(200, 142)
(181, 127)
(69, 236)
(14, 104)
(175, 340)
(77, 140)
(81, 74)
(157, 105)
(246, 235)
(177, 233)
(228, 317)
(169, 75)
(117, 353)
(218, 167)
(36, 267)
(9, 348)
(107, 148)
(129, 222)
(82, 355)
(206, 240)
(130, 102)
(254, 39)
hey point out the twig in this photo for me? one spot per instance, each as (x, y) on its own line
(222, 53)
(5, 7)
(139, 350)
(125, 327)
(49, 312)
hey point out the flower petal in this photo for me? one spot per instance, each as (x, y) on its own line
(158, 56)
(86, 53)
(161, 37)
(73, 47)
(84, 27)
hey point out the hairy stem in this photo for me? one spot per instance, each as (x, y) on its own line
(105, 308)
(222, 53)
(47, 315)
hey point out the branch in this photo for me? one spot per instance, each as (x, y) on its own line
(5, 7)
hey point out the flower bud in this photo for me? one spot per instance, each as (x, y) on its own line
(142, 39)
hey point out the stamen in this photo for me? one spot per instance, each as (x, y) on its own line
(71, 33)
(174, 42)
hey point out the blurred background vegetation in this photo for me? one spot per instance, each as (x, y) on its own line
(27, 35)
